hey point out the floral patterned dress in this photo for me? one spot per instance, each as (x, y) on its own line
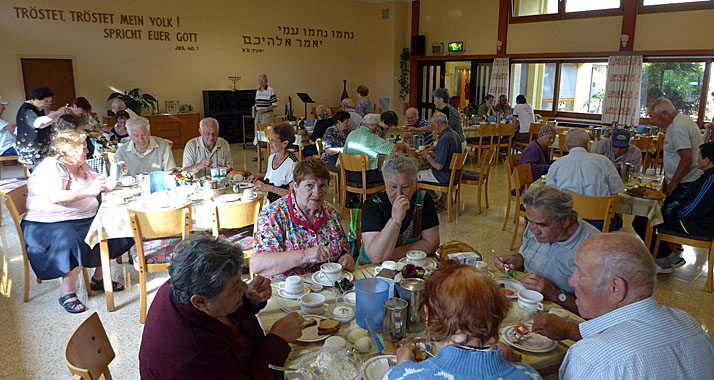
(282, 227)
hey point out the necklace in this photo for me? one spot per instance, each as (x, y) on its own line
(473, 348)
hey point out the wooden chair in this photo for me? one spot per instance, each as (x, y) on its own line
(238, 217)
(487, 135)
(522, 176)
(320, 149)
(694, 241)
(480, 178)
(458, 160)
(156, 255)
(644, 143)
(562, 147)
(595, 208)
(88, 351)
(657, 158)
(263, 146)
(355, 163)
(533, 131)
(6, 158)
(504, 140)
(514, 161)
(15, 200)
(27, 171)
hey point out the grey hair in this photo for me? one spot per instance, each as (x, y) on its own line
(442, 93)
(347, 103)
(400, 164)
(577, 138)
(264, 76)
(202, 265)
(551, 199)
(439, 117)
(208, 120)
(135, 122)
(660, 105)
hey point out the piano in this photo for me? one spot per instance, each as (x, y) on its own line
(233, 110)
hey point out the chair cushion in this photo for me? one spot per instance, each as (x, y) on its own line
(11, 184)
(157, 251)
(470, 175)
(684, 235)
(240, 236)
(369, 185)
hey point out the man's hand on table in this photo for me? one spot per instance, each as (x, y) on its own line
(406, 352)
(289, 327)
(508, 354)
(259, 290)
(538, 283)
(424, 154)
(550, 326)
(514, 262)
(347, 262)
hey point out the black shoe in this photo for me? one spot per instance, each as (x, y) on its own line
(95, 284)
(70, 306)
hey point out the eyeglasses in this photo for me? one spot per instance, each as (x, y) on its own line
(49, 103)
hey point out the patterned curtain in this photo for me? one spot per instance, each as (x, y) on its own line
(499, 77)
(622, 91)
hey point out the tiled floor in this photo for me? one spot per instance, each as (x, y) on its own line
(33, 334)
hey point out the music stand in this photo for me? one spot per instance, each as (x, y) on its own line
(305, 99)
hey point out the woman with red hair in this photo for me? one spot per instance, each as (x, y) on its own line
(463, 310)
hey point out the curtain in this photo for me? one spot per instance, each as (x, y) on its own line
(499, 77)
(622, 91)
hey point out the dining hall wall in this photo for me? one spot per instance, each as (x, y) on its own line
(204, 43)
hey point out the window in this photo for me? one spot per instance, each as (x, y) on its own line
(661, 2)
(680, 82)
(582, 87)
(534, 7)
(536, 81)
(543, 10)
(709, 112)
(590, 5)
(653, 6)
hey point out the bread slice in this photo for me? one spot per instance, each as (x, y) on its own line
(328, 326)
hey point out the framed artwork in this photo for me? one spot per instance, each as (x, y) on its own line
(172, 106)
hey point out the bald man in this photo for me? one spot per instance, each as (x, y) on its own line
(627, 335)
(418, 126)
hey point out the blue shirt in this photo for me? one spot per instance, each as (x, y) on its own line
(463, 364)
(447, 145)
(585, 173)
(7, 138)
(555, 261)
(642, 340)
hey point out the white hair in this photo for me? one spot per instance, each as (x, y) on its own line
(208, 120)
(660, 105)
(137, 122)
(577, 138)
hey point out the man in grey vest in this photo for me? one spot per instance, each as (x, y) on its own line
(144, 153)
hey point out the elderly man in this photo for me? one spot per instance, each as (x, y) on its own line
(503, 107)
(618, 149)
(627, 335)
(418, 126)
(441, 102)
(554, 233)
(265, 101)
(7, 134)
(355, 118)
(144, 153)
(364, 141)
(487, 107)
(537, 153)
(448, 145)
(208, 150)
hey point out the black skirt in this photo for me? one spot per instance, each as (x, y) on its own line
(54, 249)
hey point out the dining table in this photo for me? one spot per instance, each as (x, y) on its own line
(547, 364)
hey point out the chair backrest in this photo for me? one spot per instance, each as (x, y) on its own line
(458, 161)
(534, 130)
(16, 200)
(522, 176)
(235, 214)
(354, 163)
(506, 130)
(319, 146)
(643, 143)
(595, 208)
(485, 162)
(486, 132)
(88, 351)
(153, 225)
(514, 160)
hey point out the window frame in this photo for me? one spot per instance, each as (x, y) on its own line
(645, 9)
(562, 15)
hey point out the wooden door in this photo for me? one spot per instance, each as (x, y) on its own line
(57, 74)
(431, 77)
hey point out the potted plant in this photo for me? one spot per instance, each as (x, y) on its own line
(289, 111)
(404, 74)
(136, 101)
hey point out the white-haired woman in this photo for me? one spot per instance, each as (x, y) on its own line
(325, 120)
(401, 219)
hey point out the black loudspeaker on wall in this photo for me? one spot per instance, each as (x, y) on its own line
(418, 45)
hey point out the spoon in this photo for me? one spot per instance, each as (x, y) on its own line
(422, 347)
(302, 371)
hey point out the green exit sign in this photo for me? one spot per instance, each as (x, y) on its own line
(456, 46)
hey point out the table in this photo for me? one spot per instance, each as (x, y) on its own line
(112, 221)
(546, 363)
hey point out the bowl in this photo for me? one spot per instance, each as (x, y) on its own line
(331, 364)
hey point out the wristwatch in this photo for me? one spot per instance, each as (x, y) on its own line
(562, 297)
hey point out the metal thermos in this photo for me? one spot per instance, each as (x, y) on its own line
(625, 169)
(395, 319)
(409, 289)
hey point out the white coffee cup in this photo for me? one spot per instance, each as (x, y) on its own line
(312, 303)
(416, 257)
(530, 300)
(248, 194)
(331, 271)
(482, 267)
(292, 285)
(127, 180)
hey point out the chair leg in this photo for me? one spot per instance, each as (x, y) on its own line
(508, 212)
(485, 190)
(515, 231)
(343, 199)
(448, 206)
(478, 200)
(142, 297)
(458, 200)
(656, 247)
(27, 280)
(710, 275)
(86, 281)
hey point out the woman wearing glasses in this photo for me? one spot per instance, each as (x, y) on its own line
(33, 136)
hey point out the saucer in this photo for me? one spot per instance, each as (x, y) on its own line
(513, 285)
(225, 198)
(324, 281)
(533, 343)
(428, 263)
(291, 296)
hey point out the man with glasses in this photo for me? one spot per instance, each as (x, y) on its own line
(33, 136)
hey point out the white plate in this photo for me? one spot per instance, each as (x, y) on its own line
(284, 294)
(375, 368)
(535, 343)
(311, 334)
(225, 198)
(511, 284)
(324, 281)
(429, 264)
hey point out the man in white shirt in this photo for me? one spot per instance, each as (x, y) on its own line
(627, 335)
(265, 101)
(7, 134)
(144, 153)
(522, 118)
(206, 151)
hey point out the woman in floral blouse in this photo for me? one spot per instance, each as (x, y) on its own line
(299, 232)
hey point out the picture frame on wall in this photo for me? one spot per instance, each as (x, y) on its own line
(172, 106)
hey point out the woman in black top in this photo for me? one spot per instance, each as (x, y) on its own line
(33, 136)
(325, 121)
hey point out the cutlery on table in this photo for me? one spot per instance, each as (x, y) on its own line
(509, 271)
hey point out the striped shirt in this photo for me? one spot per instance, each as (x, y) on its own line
(265, 98)
(428, 136)
(642, 340)
(364, 141)
(454, 120)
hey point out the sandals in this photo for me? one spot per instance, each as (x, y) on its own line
(99, 285)
(70, 306)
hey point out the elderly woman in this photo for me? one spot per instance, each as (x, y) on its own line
(324, 121)
(299, 232)
(33, 136)
(61, 204)
(537, 153)
(401, 219)
(463, 310)
(119, 134)
(279, 174)
(202, 322)
(333, 141)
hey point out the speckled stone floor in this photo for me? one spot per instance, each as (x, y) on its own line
(33, 334)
